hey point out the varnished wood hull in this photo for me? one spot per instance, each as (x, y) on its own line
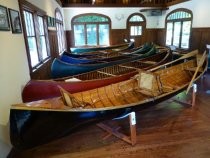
(36, 123)
(29, 128)
(43, 89)
(89, 50)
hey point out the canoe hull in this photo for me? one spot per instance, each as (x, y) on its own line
(31, 128)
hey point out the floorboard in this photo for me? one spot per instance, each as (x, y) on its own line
(167, 130)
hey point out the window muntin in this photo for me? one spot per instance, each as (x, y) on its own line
(60, 31)
(178, 29)
(91, 29)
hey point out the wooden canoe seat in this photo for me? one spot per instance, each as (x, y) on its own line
(148, 84)
(73, 79)
(148, 62)
(193, 69)
(129, 67)
(70, 100)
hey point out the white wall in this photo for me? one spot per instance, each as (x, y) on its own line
(48, 6)
(69, 13)
(200, 11)
(14, 71)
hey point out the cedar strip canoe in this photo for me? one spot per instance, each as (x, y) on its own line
(63, 69)
(39, 122)
(43, 89)
(81, 50)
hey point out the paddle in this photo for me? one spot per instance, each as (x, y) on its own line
(188, 55)
(201, 61)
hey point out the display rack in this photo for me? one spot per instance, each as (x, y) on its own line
(131, 139)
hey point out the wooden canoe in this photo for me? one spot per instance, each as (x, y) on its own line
(39, 122)
(113, 56)
(43, 89)
(119, 47)
(62, 69)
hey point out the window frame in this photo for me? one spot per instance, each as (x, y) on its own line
(36, 12)
(182, 20)
(88, 23)
(136, 23)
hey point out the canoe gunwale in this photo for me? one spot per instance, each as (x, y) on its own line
(151, 99)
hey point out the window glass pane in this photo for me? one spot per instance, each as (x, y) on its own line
(29, 23)
(103, 34)
(43, 47)
(33, 51)
(136, 18)
(177, 30)
(135, 30)
(58, 16)
(91, 18)
(42, 38)
(179, 15)
(91, 34)
(186, 34)
(79, 35)
(41, 25)
(169, 33)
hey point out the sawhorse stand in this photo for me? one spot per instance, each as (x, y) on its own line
(114, 131)
(193, 97)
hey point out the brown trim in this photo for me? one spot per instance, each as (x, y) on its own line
(175, 2)
(112, 5)
(35, 11)
(129, 24)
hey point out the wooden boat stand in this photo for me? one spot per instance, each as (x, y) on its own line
(114, 131)
(191, 102)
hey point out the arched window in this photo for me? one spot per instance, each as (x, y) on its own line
(136, 24)
(91, 29)
(60, 30)
(178, 28)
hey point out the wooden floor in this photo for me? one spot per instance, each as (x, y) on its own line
(167, 130)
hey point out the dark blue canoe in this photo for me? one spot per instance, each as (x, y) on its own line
(67, 57)
(63, 69)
